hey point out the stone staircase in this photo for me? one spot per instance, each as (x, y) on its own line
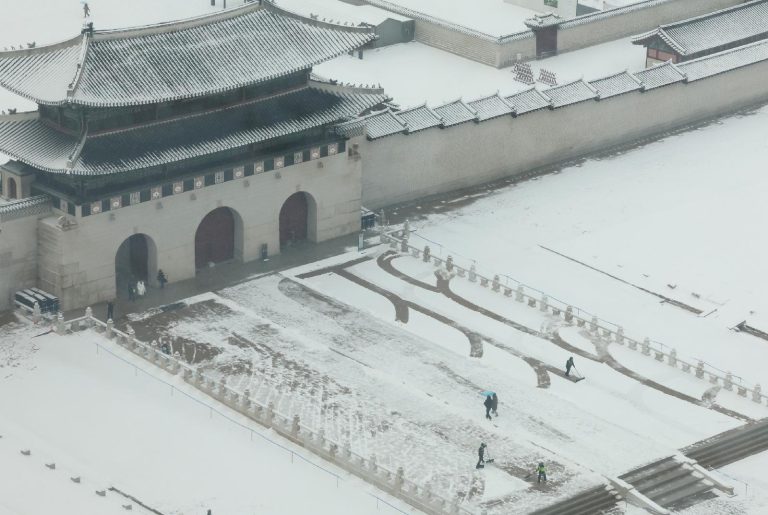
(731, 446)
(596, 501)
(670, 483)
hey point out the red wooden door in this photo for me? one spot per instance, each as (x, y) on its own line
(215, 238)
(293, 218)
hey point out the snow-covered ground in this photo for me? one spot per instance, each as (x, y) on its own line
(414, 73)
(113, 420)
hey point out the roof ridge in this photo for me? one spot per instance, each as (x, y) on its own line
(177, 25)
(86, 37)
(271, 5)
(23, 52)
(713, 14)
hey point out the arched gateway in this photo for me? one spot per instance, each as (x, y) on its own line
(297, 219)
(135, 260)
(217, 236)
(12, 189)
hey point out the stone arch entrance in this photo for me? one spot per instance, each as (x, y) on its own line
(218, 238)
(135, 260)
(12, 188)
(298, 219)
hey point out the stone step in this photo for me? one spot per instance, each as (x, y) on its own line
(646, 484)
(733, 454)
(665, 489)
(675, 498)
(655, 468)
(737, 447)
(590, 502)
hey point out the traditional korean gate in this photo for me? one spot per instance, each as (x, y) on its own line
(215, 238)
(546, 41)
(293, 219)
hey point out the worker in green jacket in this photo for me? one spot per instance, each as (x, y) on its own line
(542, 470)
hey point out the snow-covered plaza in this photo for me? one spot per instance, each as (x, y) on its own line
(645, 264)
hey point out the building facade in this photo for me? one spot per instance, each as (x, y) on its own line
(176, 146)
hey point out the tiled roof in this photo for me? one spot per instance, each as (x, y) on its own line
(529, 100)
(383, 123)
(660, 75)
(419, 118)
(616, 84)
(26, 138)
(491, 107)
(722, 62)
(571, 93)
(25, 207)
(200, 56)
(456, 112)
(721, 29)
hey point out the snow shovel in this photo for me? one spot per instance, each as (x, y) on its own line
(489, 459)
(580, 378)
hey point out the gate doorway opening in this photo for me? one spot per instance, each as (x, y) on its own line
(297, 219)
(218, 238)
(136, 260)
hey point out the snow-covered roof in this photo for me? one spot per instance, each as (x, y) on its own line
(171, 61)
(725, 61)
(456, 112)
(26, 138)
(660, 75)
(529, 100)
(571, 93)
(419, 118)
(721, 29)
(616, 84)
(491, 107)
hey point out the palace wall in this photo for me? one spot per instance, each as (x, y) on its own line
(580, 32)
(77, 263)
(595, 28)
(18, 258)
(402, 168)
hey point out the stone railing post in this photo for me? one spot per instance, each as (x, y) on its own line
(646, 346)
(399, 479)
(270, 415)
(449, 264)
(110, 333)
(406, 230)
(61, 329)
(728, 381)
(544, 304)
(88, 317)
(36, 313)
(404, 246)
(495, 285)
(131, 337)
(700, 370)
(620, 335)
(472, 273)
(519, 293)
(427, 254)
(374, 467)
(295, 426)
(246, 404)
(346, 451)
(757, 394)
(672, 358)
(569, 314)
(222, 388)
(593, 325)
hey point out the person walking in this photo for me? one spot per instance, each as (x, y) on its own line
(86, 10)
(542, 470)
(568, 366)
(494, 405)
(488, 405)
(481, 456)
(131, 292)
(141, 288)
(161, 278)
(110, 310)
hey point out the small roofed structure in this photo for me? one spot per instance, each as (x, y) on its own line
(708, 34)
